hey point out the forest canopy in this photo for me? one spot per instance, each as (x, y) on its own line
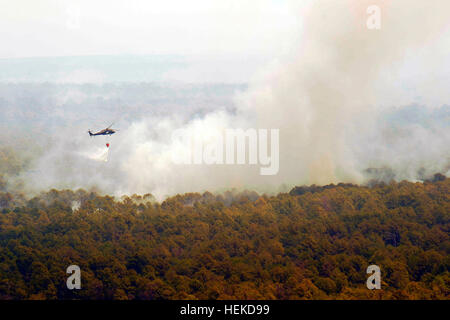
(311, 243)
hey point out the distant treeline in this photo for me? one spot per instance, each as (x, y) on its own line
(312, 243)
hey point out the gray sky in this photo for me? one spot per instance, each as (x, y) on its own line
(84, 27)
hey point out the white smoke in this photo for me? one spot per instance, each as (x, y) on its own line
(101, 154)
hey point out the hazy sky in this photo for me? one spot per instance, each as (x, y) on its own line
(84, 27)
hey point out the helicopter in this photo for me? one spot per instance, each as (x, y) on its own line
(104, 132)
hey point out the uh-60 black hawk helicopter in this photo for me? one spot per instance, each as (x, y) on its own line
(104, 132)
